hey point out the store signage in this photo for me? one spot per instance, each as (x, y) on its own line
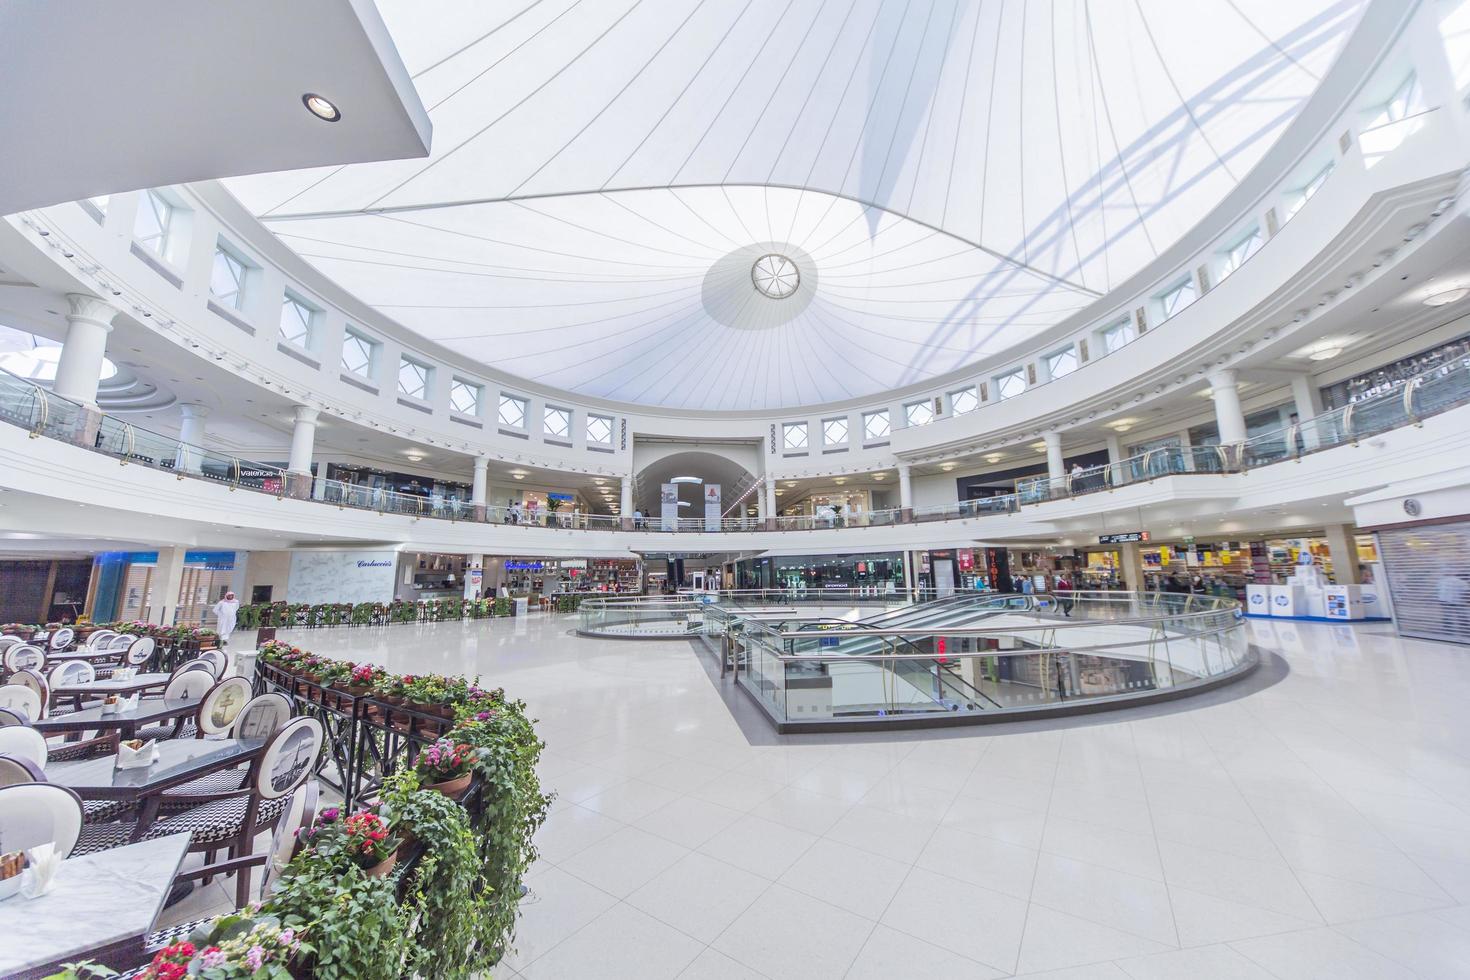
(524, 566)
(668, 507)
(374, 563)
(1127, 537)
(573, 563)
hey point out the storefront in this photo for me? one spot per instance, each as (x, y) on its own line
(548, 576)
(835, 507)
(364, 486)
(881, 572)
(125, 584)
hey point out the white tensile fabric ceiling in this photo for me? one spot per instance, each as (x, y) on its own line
(948, 177)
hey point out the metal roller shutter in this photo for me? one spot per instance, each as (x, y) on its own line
(1428, 572)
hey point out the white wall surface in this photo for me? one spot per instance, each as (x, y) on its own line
(342, 576)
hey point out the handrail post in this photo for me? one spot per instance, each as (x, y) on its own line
(1409, 388)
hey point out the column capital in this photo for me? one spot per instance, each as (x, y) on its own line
(307, 414)
(902, 466)
(481, 463)
(1052, 439)
(193, 410)
(1222, 378)
(93, 309)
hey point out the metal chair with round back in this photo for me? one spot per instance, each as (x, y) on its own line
(233, 818)
(98, 640)
(33, 680)
(36, 813)
(16, 770)
(70, 672)
(24, 743)
(61, 639)
(20, 697)
(24, 656)
(138, 651)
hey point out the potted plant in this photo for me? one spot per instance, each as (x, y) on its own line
(364, 839)
(446, 767)
(362, 678)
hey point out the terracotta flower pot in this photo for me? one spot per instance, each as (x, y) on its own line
(452, 787)
(383, 867)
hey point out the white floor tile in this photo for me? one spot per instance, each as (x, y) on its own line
(759, 846)
(1111, 898)
(571, 829)
(889, 954)
(556, 906)
(1320, 954)
(882, 832)
(983, 861)
(1204, 963)
(801, 809)
(925, 907)
(776, 937)
(1054, 940)
(688, 821)
(623, 862)
(646, 950)
(699, 895)
(848, 878)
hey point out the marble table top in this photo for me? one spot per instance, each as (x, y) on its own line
(136, 683)
(159, 709)
(179, 760)
(99, 899)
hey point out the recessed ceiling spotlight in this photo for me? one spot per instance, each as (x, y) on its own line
(321, 107)
(840, 480)
(880, 476)
(1447, 297)
(1326, 352)
(947, 466)
(995, 457)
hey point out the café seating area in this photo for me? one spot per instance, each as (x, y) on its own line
(114, 753)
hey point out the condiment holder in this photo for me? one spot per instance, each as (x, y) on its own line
(12, 866)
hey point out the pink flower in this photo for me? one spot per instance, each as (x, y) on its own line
(255, 956)
(288, 936)
(213, 957)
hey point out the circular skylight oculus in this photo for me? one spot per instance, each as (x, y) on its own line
(775, 276)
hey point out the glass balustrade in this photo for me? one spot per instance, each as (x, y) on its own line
(44, 413)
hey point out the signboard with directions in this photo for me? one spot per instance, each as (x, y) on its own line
(1127, 537)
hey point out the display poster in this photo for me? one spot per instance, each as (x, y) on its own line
(711, 506)
(668, 507)
(342, 576)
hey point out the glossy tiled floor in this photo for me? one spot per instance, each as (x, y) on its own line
(1312, 822)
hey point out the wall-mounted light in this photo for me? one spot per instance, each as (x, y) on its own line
(321, 107)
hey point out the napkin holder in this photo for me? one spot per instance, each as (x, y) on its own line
(40, 877)
(140, 758)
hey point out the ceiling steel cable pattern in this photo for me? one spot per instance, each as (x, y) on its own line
(951, 177)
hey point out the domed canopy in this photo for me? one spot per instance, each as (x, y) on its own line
(769, 203)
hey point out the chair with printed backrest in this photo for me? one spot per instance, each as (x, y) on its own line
(299, 814)
(233, 818)
(218, 660)
(186, 682)
(8, 640)
(15, 770)
(33, 680)
(69, 672)
(60, 639)
(131, 651)
(9, 718)
(98, 640)
(36, 813)
(229, 710)
(24, 656)
(20, 697)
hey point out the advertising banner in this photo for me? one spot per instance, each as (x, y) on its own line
(341, 576)
(668, 507)
(711, 506)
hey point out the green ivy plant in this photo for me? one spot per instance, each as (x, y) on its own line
(357, 928)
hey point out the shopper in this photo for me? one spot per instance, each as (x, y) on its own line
(225, 612)
(1063, 589)
(533, 512)
(638, 519)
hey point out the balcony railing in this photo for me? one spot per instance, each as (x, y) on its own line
(44, 413)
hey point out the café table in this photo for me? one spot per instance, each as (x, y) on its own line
(138, 682)
(180, 760)
(101, 907)
(126, 723)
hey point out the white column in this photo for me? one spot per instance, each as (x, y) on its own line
(905, 489)
(1342, 546)
(481, 478)
(625, 501)
(1115, 449)
(1229, 418)
(760, 504)
(87, 327)
(1131, 557)
(191, 437)
(303, 437)
(1056, 467)
(770, 492)
(168, 578)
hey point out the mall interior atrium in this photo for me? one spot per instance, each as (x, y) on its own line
(760, 490)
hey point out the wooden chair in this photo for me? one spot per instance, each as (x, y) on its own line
(233, 818)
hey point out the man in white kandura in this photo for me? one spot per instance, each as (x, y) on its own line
(224, 616)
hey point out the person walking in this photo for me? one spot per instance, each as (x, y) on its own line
(225, 612)
(1063, 589)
